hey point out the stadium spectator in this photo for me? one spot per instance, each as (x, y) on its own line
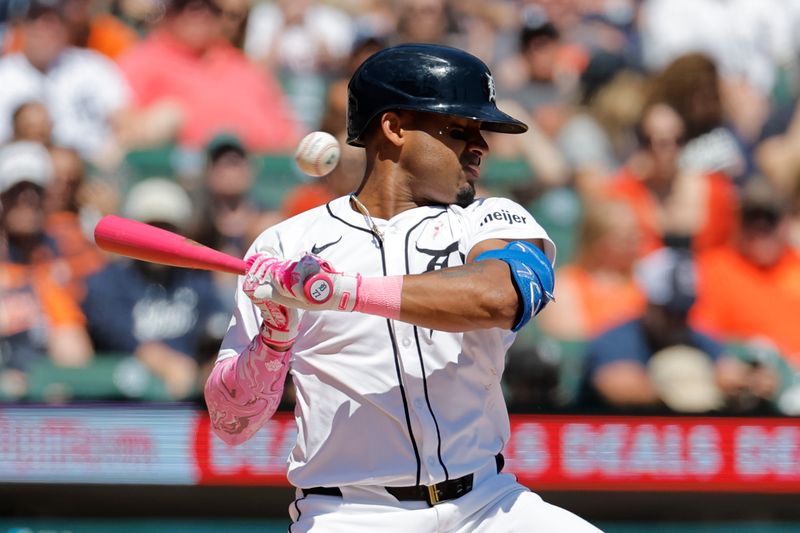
(658, 360)
(31, 122)
(62, 205)
(487, 28)
(778, 158)
(122, 25)
(751, 288)
(335, 117)
(426, 21)
(187, 71)
(343, 179)
(299, 36)
(83, 91)
(531, 76)
(235, 15)
(38, 317)
(227, 180)
(547, 164)
(161, 314)
(597, 291)
(302, 41)
(231, 218)
(669, 202)
(691, 86)
(598, 137)
(750, 42)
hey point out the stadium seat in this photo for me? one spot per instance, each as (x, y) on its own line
(276, 175)
(107, 377)
(559, 212)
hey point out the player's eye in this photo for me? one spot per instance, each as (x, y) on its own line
(457, 133)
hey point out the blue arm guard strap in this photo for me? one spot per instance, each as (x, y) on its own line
(532, 274)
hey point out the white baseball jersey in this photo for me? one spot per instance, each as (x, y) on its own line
(383, 402)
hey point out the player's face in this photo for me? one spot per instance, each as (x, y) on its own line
(443, 158)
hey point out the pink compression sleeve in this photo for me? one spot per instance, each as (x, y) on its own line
(380, 296)
(243, 392)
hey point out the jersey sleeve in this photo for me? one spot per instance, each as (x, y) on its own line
(501, 218)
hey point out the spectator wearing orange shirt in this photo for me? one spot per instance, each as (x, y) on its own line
(752, 288)
(186, 64)
(598, 290)
(668, 202)
(38, 317)
(659, 359)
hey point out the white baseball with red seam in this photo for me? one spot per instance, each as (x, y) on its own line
(317, 154)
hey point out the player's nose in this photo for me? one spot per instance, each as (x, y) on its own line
(477, 145)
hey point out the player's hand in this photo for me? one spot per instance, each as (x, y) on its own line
(280, 324)
(306, 283)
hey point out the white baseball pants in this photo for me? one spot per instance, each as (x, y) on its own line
(496, 504)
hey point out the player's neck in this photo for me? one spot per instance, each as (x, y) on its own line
(384, 197)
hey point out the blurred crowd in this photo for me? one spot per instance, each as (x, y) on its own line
(663, 155)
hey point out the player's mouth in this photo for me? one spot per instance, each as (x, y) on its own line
(472, 166)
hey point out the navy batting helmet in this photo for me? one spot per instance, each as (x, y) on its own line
(424, 77)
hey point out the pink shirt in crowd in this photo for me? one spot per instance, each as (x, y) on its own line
(219, 90)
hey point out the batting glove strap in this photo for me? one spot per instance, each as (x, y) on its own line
(333, 291)
(276, 338)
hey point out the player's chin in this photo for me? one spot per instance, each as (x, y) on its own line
(465, 195)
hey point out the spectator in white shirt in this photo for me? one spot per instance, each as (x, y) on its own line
(83, 91)
(300, 40)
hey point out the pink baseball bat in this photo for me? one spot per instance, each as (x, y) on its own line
(142, 241)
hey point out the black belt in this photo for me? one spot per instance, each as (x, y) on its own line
(431, 494)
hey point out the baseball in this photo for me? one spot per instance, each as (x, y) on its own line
(317, 154)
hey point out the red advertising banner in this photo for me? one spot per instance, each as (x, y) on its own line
(258, 461)
(657, 454)
(577, 453)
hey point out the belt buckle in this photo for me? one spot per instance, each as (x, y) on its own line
(433, 495)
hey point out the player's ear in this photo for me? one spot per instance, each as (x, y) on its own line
(391, 128)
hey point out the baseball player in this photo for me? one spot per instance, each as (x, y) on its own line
(397, 346)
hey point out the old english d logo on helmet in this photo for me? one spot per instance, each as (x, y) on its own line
(424, 77)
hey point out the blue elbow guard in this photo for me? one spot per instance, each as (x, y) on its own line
(532, 274)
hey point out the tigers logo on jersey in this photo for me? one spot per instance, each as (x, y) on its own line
(441, 258)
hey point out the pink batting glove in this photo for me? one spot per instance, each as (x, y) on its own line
(312, 283)
(307, 283)
(280, 324)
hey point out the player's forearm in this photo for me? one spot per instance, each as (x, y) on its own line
(464, 298)
(243, 392)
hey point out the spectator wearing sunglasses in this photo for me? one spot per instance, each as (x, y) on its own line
(751, 289)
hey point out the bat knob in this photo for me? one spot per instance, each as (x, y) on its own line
(318, 288)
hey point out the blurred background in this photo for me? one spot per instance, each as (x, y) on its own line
(660, 392)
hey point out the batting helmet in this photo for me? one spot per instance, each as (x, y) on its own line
(424, 77)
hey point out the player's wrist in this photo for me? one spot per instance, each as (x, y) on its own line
(276, 339)
(380, 296)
